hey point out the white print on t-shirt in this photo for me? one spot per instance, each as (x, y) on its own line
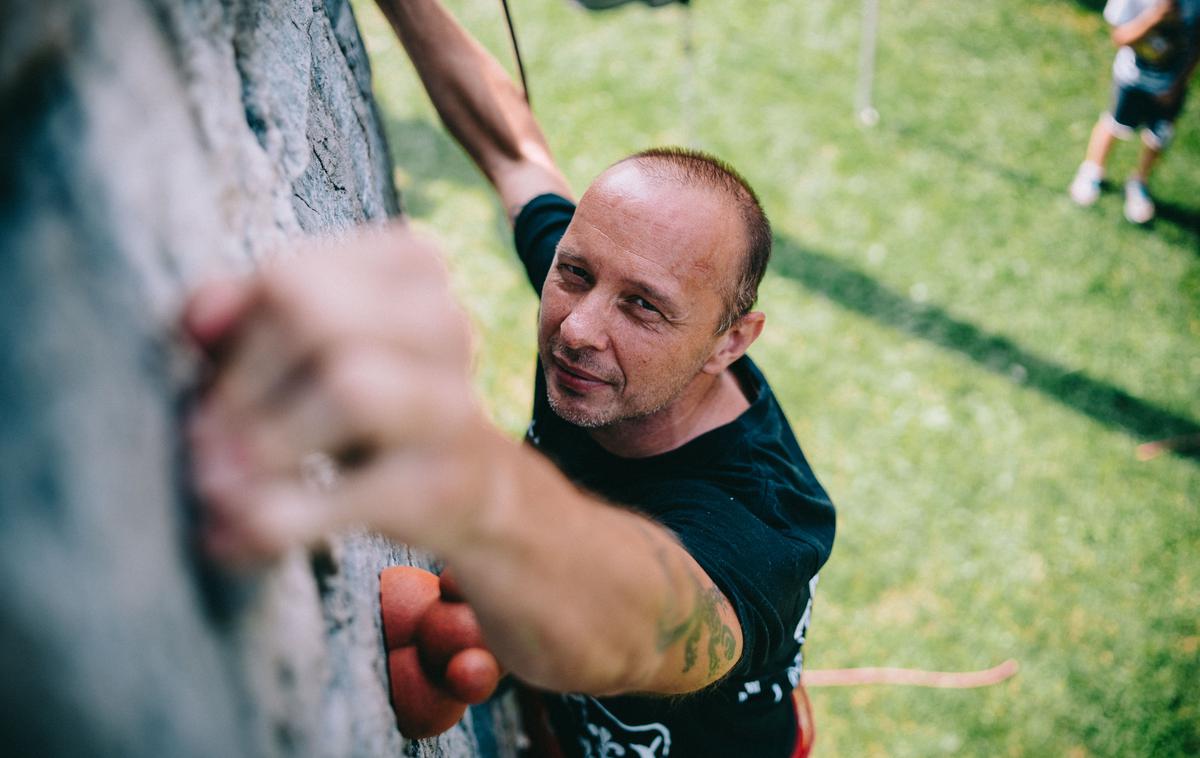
(797, 666)
(752, 688)
(609, 736)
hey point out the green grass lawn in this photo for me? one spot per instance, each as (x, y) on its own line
(968, 359)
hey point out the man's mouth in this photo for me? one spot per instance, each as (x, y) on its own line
(575, 378)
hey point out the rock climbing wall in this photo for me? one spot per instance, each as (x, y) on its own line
(145, 144)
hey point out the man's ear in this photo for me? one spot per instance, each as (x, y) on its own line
(734, 343)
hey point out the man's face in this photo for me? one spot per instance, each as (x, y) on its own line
(634, 295)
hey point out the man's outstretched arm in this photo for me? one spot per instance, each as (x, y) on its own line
(478, 102)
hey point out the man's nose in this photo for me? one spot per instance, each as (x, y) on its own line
(585, 327)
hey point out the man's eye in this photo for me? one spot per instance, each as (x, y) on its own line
(645, 305)
(573, 273)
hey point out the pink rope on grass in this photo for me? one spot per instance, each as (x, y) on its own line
(1148, 451)
(913, 677)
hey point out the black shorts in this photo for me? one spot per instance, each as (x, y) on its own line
(1133, 108)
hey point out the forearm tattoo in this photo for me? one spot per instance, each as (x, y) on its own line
(703, 614)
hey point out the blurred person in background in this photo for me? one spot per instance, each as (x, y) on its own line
(1159, 43)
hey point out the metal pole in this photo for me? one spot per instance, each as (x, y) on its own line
(863, 106)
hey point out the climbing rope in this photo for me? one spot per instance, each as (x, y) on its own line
(913, 677)
(512, 35)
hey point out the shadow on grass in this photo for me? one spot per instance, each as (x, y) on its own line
(1184, 218)
(1098, 400)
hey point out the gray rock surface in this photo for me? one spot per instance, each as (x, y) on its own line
(143, 145)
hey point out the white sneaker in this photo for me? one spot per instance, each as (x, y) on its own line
(1139, 208)
(1085, 187)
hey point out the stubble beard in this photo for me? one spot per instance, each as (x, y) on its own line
(574, 416)
(577, 417)
(607, 417)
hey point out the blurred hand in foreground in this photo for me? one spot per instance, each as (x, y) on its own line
(353, 354)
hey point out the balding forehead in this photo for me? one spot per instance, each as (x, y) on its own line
(670, 204)
(642, 209)
(662, 187)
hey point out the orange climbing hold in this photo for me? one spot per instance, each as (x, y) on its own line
(445, 629)
(472, 675)
(423, 709)
(437, 661)
(405, 594)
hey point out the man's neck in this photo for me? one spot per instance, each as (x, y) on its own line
(707, 403)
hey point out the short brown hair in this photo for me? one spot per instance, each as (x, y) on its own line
(694, 166)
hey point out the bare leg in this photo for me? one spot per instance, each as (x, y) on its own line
(1085, 187)
(1139, 207)
(1146, 161)
(1101, 142)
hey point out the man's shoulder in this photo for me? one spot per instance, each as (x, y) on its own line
(541, 210)
(537, 228)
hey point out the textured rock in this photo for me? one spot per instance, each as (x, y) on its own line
(144, 144)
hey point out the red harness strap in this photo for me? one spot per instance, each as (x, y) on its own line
(806, 730)
(542, 742)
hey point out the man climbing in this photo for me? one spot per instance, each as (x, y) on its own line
(659, 534)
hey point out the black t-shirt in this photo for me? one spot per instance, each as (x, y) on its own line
(747, 507)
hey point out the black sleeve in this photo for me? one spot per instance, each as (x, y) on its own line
(763, 572)
(537, 230)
